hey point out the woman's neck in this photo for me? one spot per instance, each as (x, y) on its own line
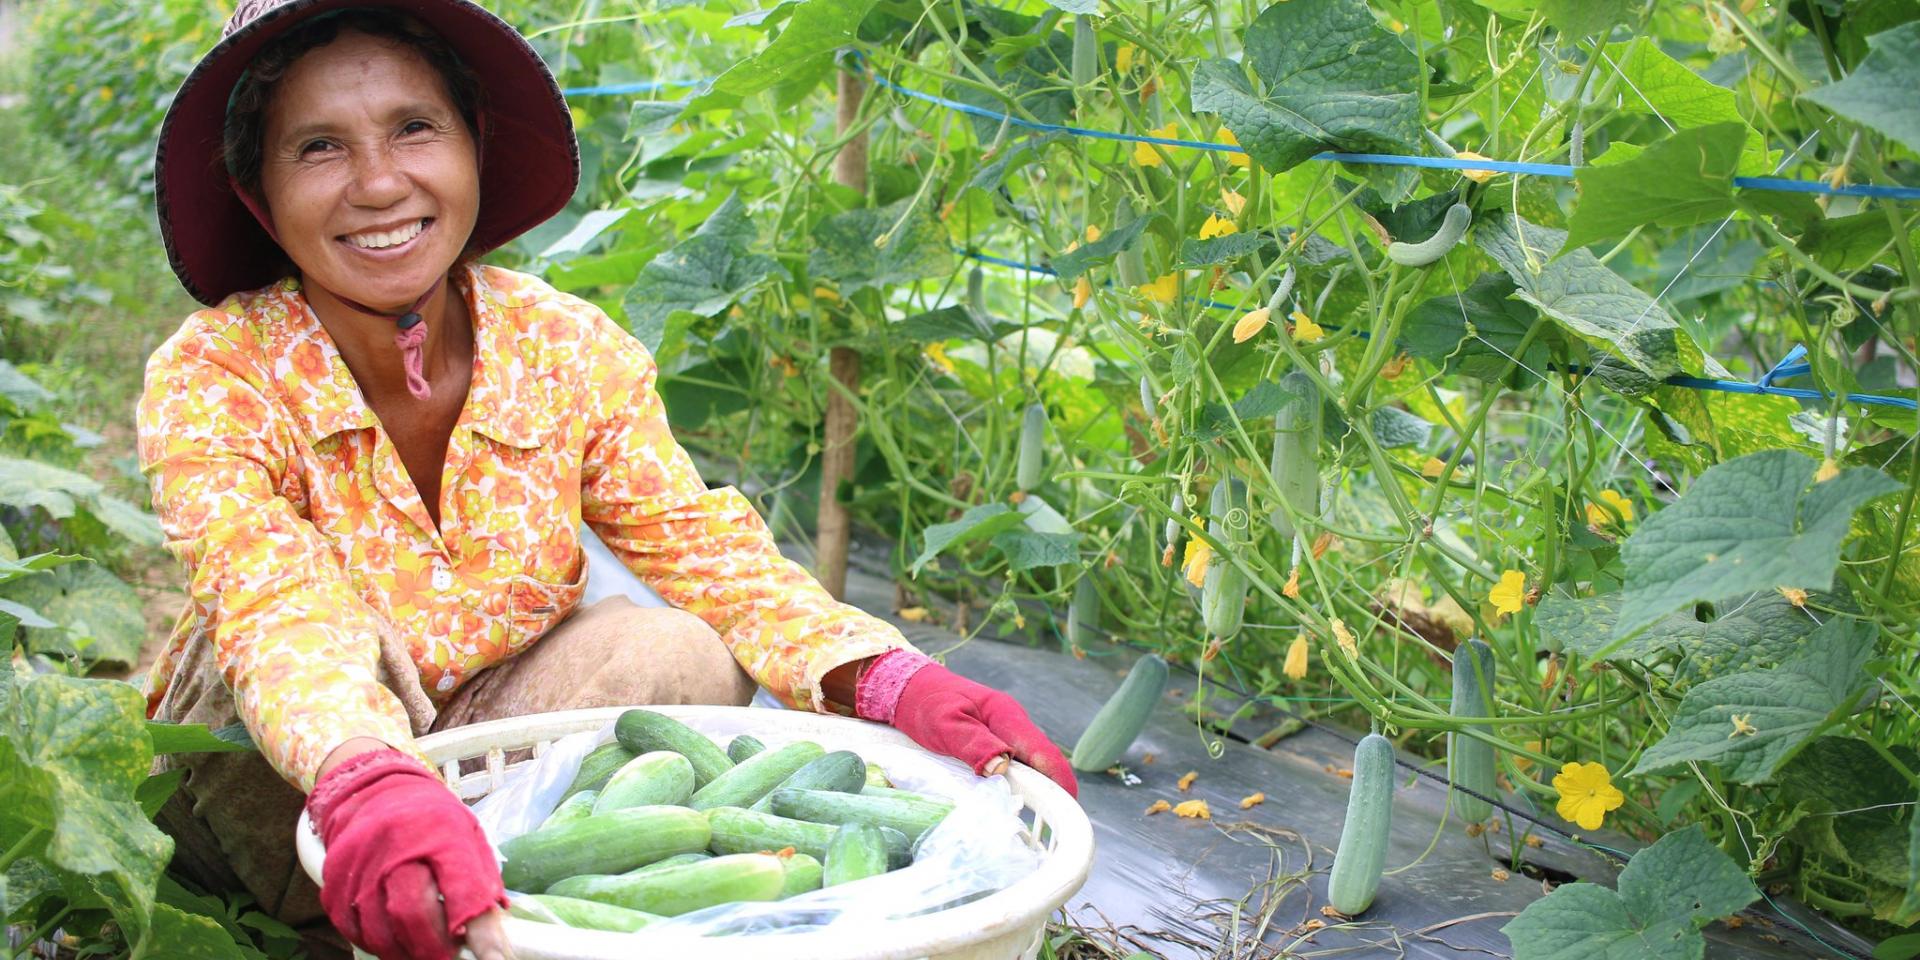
(366, 341)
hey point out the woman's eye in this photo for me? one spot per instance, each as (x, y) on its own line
(416, 126)
(314, 146)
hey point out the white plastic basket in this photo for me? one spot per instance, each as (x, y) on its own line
(1002, 926)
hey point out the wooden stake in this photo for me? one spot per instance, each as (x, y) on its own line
(843, 364)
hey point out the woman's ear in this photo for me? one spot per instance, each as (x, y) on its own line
(256, 206)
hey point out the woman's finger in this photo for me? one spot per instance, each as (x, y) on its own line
(487, 936)
(419, 921)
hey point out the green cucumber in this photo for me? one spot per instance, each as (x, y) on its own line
(1296, 452)
(804, 874)
(841, 770)
(873, 791)
(977, 295)
(748, 782)
(673, 861)
(911, 817)
(1083, 612)
(660, 777)
(683, 889)
(598, 767)
(1179, 507)
(877, 777)
(744, 746)
(1362, 854)
(1147, 403)
(643, 731)
(581, 914)
(1223, 594)
(858, 851)
(1086, 52)
(573, 808)
(601, 843)
(1469, 759)
(1122, 717)
(736, 830)
(1452, 229)
(1033, 430)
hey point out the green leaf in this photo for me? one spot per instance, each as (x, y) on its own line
(197, 738)
(1747, 525)
(1330, 78)
(589, 228)
(21, 389)
(96, 616)
(1476, 331)
(1576, 19)
(1079, 260)
(1760, 631)
(985, 520)
(1910, 904)
(701, 275)
(815, 29)
(1681, 180)
(1666, 894)
(1854, 799)
(1582, 295)
(1264, 400)
(879, 246)
(127, 520)
(950, 323)
(1779, 709)
(1077, 6)
(1879, 92)
(25, 484)
(1026, 549)
(1654, 84)
(189, 936)
(14, 568)
(1233, 246)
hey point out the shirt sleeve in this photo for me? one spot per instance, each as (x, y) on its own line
(296, 644)
(707, 551)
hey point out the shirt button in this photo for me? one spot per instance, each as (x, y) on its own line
(442, 578)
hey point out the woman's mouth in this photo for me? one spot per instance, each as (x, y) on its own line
(386, 244)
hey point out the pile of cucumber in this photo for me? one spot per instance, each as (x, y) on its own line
(662, 822)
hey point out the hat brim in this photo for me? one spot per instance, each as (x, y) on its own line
(213, 242)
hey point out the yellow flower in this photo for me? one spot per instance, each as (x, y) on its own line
(1233, 202)
(1304, 329)
(826, 294)
(106, 93)
(1587, 794)
(1522, 763)
(1250, 325)
(1162, 290)
(913, 614)
(1477, 176)
(1742, 726)
(1291, 589)
(1186, 782)
(1158, 806)
(1082, 292)
(1510, 594)
(1345, 637)
(1433, 468)
(1216, 227)
(1794, 595)
(1093, 232)
(1234, 159)
(1148, 154)
(1253, 799)
(1296, 666)
(1828, 470)
(937, 354)
(1196, 809)
(1195, 562)
(1599, 516)
(1123, 60)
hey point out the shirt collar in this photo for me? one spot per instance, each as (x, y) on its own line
(326, 400)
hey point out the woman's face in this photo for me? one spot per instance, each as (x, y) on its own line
(368, 171)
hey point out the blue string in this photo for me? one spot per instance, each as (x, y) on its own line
(1774, 184)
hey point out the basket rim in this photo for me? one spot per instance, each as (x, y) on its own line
(1062, 871)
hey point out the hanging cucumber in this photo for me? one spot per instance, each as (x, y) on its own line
(977, 293)
(1296, 451)
(1086, 52)
(1223, 595)
(1362, 855)
(1122, 717)
(1083, 612)
(1173, 526)
(1470, 760)
(1147, 401)
(1033, 430)
(1452, 228)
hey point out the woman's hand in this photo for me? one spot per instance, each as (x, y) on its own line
(949, 714)
(409, 873)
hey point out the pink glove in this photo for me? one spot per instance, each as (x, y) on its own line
(394, 833)
(947, 713)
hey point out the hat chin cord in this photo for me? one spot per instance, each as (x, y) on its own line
(411, 337)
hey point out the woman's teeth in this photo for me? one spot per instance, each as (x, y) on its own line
(390, 238)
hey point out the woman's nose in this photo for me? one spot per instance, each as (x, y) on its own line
(378, 179)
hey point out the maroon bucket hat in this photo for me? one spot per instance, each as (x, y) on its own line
(529, 159)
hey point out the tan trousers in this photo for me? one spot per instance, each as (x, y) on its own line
(232, 820)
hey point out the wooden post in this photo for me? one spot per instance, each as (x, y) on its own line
(843, 365)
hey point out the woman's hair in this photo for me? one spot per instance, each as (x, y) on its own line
(240, 141)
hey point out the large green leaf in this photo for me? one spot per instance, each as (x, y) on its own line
(1026, 549)
(197, 738)
(1577, 19)
(815, 29)
(1910, 904)
(985, 520)
(1748, 525)
(25, 484)
(127, 520)
(189, 936)
(1748, 724)
(1080, 259)
(1582, 294)
(879, 246)
(1880, 92)
(1683, 179)
(21, 389)
(701, 275)
(1329, 76)
(1666, 894)
(1655, 84)
(1853, 800)
(13, 568)
(96, 616)
(1477, 332)
(1760, 631)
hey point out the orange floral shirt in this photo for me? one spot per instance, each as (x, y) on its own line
(305, 541)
